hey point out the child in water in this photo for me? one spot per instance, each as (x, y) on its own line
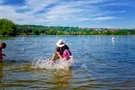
(2, 46)
(62, 52)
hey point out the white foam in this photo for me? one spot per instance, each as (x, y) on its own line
(43, 63)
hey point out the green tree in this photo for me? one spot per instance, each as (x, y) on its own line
(7, 27)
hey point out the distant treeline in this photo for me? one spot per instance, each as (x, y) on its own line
(7, 27)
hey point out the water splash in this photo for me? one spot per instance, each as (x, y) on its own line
(44, 63)
(84, 66)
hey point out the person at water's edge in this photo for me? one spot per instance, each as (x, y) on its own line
(2, 46)
(62, 52)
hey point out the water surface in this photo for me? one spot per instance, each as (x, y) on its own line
(99, 63)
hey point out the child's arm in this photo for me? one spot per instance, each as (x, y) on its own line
(60, 57)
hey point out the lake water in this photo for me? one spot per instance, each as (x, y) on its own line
(99, 63)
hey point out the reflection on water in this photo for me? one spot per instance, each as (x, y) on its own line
(113, 41)
(5, 37)
(63, 78)
(1, 73)
(99, 63)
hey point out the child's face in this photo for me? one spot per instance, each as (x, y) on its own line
(2, 46)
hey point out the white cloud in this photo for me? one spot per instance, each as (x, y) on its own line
(61, 12)
(37, 5)
(103, 18)
(9, 13)
(73, 11)
(116, 4)
(97, 18)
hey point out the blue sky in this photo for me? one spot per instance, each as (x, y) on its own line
(81, 13)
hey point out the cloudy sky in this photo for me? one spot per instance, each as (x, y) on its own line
(81, 13)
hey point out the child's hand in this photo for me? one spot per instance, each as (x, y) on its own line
(51, 62)
(64, 59)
